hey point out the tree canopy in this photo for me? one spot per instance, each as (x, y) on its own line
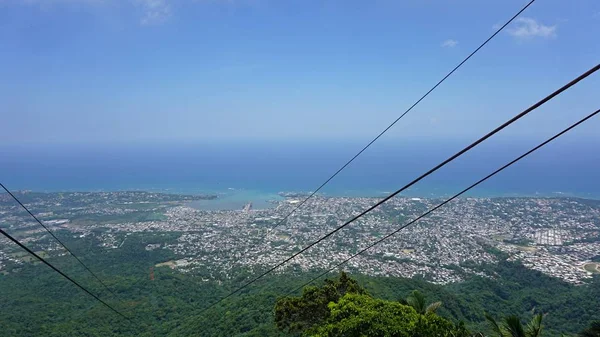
(342, 308)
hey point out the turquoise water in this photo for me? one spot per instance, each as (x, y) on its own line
(236, 199)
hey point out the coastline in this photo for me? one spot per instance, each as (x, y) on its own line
(232, 198)
(280, 194)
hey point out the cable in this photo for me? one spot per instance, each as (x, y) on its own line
(57, 239)
(63, 274)
(452, 198)
(399, 118)
(348, 162)
(458, 154)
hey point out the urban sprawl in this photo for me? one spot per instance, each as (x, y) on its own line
(557, 236)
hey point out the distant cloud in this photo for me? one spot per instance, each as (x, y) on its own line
(150, 12)
(154, 11)
(46, 3)
(527, 28)
(450, 43)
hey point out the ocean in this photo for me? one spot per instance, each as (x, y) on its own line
(257, 171)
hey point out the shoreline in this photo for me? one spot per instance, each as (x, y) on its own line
(242, 193)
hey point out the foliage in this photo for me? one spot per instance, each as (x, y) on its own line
(417, 301)
(592, 331)
(511, 326)
(362, 315)
(297, 314)
(37, 302)
(342, 308)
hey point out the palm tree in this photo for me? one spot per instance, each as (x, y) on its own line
(592, 331)
(417, 301)
(534, 328)
(512, 327)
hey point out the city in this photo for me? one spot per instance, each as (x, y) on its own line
(556, 236)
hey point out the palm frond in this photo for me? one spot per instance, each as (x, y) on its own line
(433, 307)
(513, 326)
(417, 301)
(534, 328)
(494, 324)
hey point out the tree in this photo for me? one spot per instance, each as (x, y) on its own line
(417, 301)
(592, 331)
(511, 326)
(343, 308)
(362, 315)
(298, 314)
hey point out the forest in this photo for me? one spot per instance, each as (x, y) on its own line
(37, 302)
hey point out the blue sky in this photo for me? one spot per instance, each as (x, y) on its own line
(136, 71)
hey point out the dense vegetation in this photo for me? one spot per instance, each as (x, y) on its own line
(37, 302)
(342, 307)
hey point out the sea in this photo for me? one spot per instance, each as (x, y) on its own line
(242, 172)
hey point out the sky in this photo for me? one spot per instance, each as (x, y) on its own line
(168, 71)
